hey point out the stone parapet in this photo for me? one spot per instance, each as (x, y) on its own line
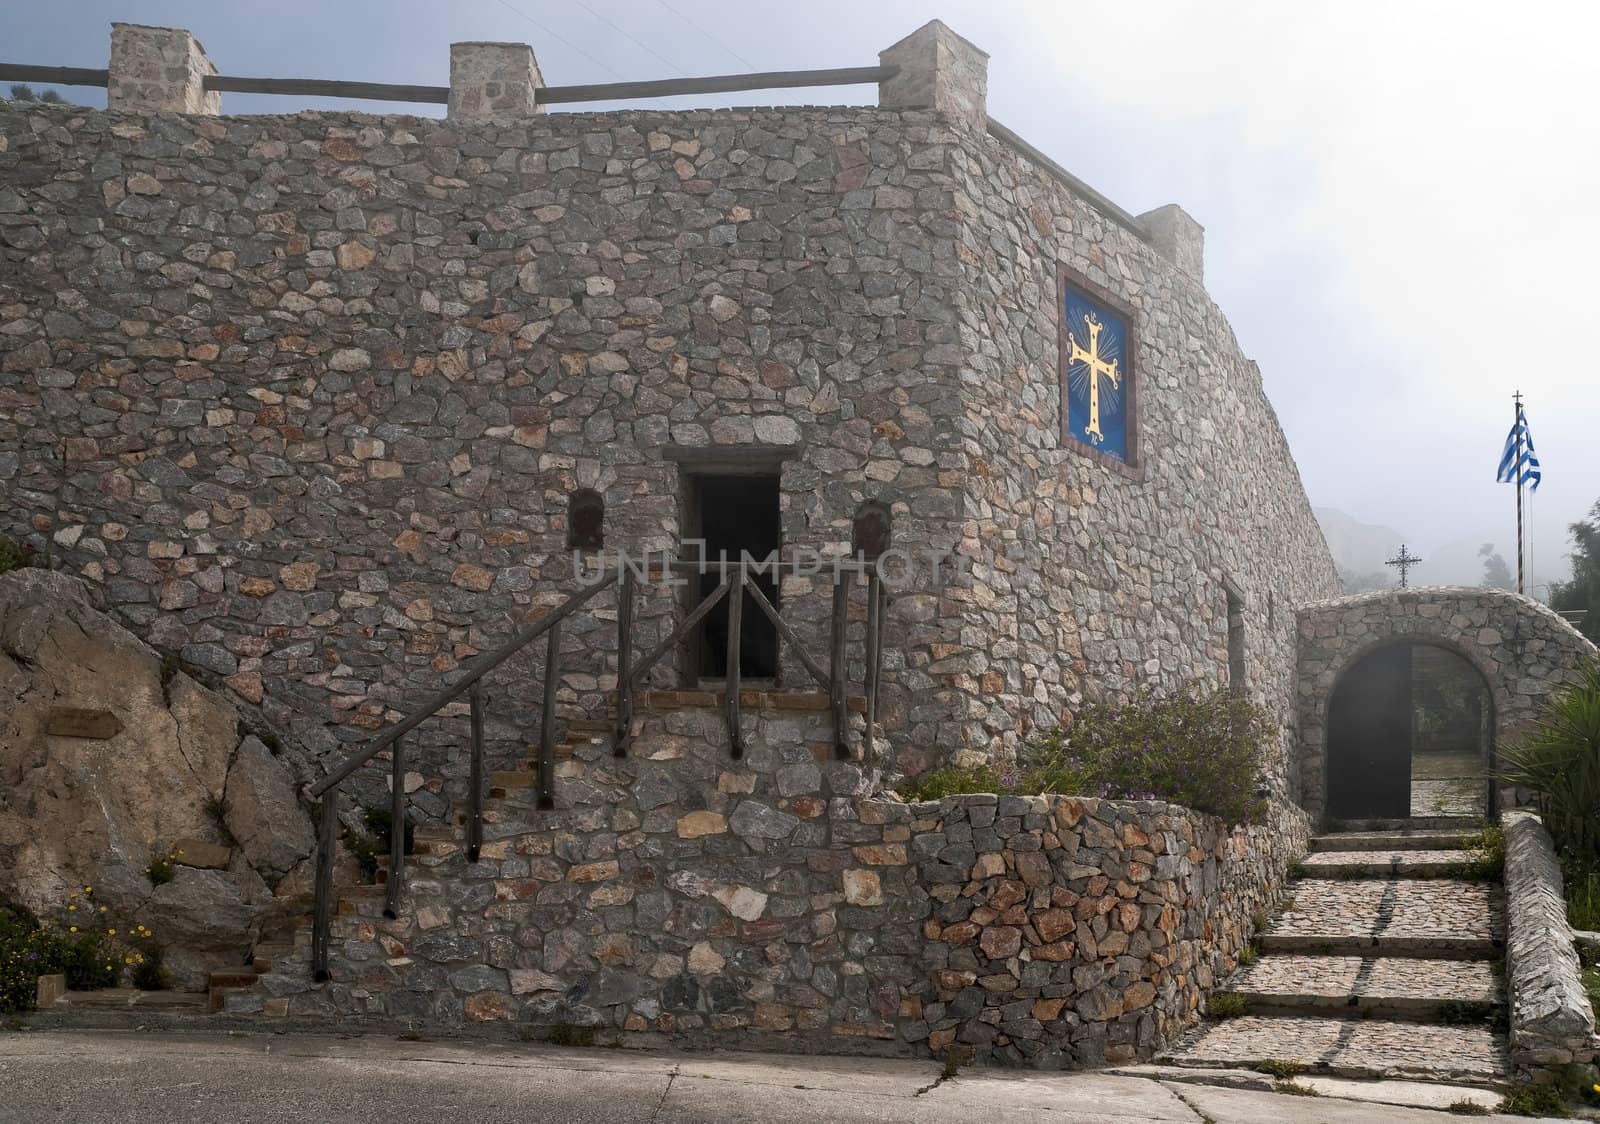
(1552, 1021)
(490, 80)
(1177, 237)
(938, 70)
(158, 70)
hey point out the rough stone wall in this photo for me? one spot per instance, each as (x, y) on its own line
(307, 395)
(1552, 1021)
(773, 902)
(1523, 650)
(1094, 583)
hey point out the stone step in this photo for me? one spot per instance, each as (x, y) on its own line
(1442, 917)
(123, 998)
(1418, 840)
(1349, 1047)
(1390, 987)
(1393, 863)
(268, 954)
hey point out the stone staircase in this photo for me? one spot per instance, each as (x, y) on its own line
(1383, 961)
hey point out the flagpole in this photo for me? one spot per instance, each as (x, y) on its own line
(1517, 430)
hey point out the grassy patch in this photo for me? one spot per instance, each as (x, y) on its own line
(564, 1034)
(1295, 1089)
(1583, 900)
(1488, 861)
(1456, 1013)
(1226, 1005)
(1281, 1068)
(1591, 984)
(1249, 954)
(1295, 871)
(1468, 1107)
(1534, 1100)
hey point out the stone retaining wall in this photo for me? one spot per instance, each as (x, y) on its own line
(1552, 1021)
(773, 902)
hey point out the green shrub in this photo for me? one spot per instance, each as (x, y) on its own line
(163, 866)
(1467, 1107)
(1559, 760)
(147, 972)
(1204, 750)
(1583, 899)
(15, 555)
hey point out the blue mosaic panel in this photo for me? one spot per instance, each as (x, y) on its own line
(1094, 344)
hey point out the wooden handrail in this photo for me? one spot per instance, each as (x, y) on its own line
(479, 667)
(440, 95)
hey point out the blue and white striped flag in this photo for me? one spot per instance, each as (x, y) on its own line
(1508, 459)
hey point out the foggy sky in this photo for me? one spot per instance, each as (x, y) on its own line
(1396, 196)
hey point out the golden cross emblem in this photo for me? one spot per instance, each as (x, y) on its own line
(1097, 367)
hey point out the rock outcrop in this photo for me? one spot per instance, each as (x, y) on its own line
(83, 810)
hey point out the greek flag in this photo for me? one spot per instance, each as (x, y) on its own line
(1508, 459)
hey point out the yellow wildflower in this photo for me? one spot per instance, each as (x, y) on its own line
(72, 928)
(72, 907)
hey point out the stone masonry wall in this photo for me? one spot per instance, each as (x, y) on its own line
(772, 902)
(1523, 650)
(307, 396)
(1095, 583)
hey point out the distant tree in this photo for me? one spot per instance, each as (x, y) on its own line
(22, 92)
(1583, 591)
(1496, 574)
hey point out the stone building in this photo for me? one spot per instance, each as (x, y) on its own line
(330, 403)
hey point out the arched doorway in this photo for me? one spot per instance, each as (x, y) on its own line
(1410, 726)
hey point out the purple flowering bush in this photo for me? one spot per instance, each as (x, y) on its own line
(1204, 750)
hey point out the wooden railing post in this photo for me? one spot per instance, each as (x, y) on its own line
(735, 627)
(475, 798)
(836, 664)
(397, 829)
(547, 721)
(327, 841)
(624, 732)
(874, 648)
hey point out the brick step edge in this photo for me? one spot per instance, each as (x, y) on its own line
(1387, 841)
(1362, 1072)
(1392, 1008)
(1416, 948)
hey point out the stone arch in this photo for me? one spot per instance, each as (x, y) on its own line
(1522, 650)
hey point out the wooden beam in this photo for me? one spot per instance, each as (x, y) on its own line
(397, 830)
(716, 84)
(475, 805)
(54, 75)
(735, 625)
(837, 668)
(788, 633)
(547, 722)
(322, 915)
(624, 732)
(682, 630)
(328, 88)
(479, 667)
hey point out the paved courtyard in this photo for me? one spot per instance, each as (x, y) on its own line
(97, 1077)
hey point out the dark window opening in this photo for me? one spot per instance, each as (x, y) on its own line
(734, 515)
(586, 517)
(870, 533)
(1236, 665)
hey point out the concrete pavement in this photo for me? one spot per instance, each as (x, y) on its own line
(97, 1077)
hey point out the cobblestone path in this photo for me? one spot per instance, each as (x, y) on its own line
(1383, 960)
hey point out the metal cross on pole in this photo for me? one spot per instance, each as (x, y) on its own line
(1403, 562)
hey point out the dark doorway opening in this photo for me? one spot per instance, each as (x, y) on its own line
(1409, 733)
(734, 516)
